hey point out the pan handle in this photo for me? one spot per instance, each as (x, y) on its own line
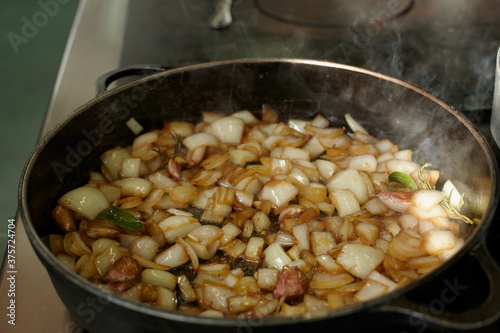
(483, 315)
(103, 81)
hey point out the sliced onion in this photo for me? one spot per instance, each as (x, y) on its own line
(228, 129)
(371, 289)
(112, 160)
(158, 277)
(322, 280)
(353, 124)
(452, 194)
(363, 163)
(85, 200)
(145, 246)
(349, 179)
(202, 139)
(436, 241)
(345, 202)
(192, 254)
(279, 192)
(253, 251)
(314, 147)
(174, 256)
(139, 187)
(275, 257)
(360, 260)
(427, 199)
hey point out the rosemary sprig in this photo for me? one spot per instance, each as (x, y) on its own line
(163, 158)
(177, 142)
(177, 149)
(453, 212)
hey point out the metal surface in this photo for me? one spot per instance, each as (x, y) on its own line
(446, 47)
(495, 116)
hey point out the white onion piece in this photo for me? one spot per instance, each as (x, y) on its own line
(216, 296)
(174, 256)
(87, 201)
(284, 238)
(452, 194)
(298, 177)
(243, 197)
(202, 199)
(349, 179)
(138, 187)
(321, 242)
(298, 124)
(301, 234)
(162, 181)
(279, 192)
(275, 257)
(438, 240)
(166, 298)
(322, 280)
(130, 167)
(371, 289)
(202, 139)
(363, 163)
(112, 160)
(436, 211)
(295, 153)
(192, 254)
(376, 276)
(182, 232)
(403, 166)
(145, 246)
(105, 260)
(206, 234)
(329, 264)
(320, 121)
(326, 168)
(353, 124)
(267, 278)
(314, 147)
(426, 199)
(261, 221)
(158, 277)
(345, 202)
(385, 145)
(228, 129)
(360, 260)
(253, 251)
(375, 206)
(403, 154)
(134, 125)
(247, 117)
(176, 221)
(447, 254)
(230, 232)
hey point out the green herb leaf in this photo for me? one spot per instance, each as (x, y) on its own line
(121, 218)
(401, 178)
(453, 213)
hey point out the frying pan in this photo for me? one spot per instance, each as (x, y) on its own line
(387, 107)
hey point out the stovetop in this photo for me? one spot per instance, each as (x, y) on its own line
(446, 47)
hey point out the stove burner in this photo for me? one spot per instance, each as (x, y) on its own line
(331, 13)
